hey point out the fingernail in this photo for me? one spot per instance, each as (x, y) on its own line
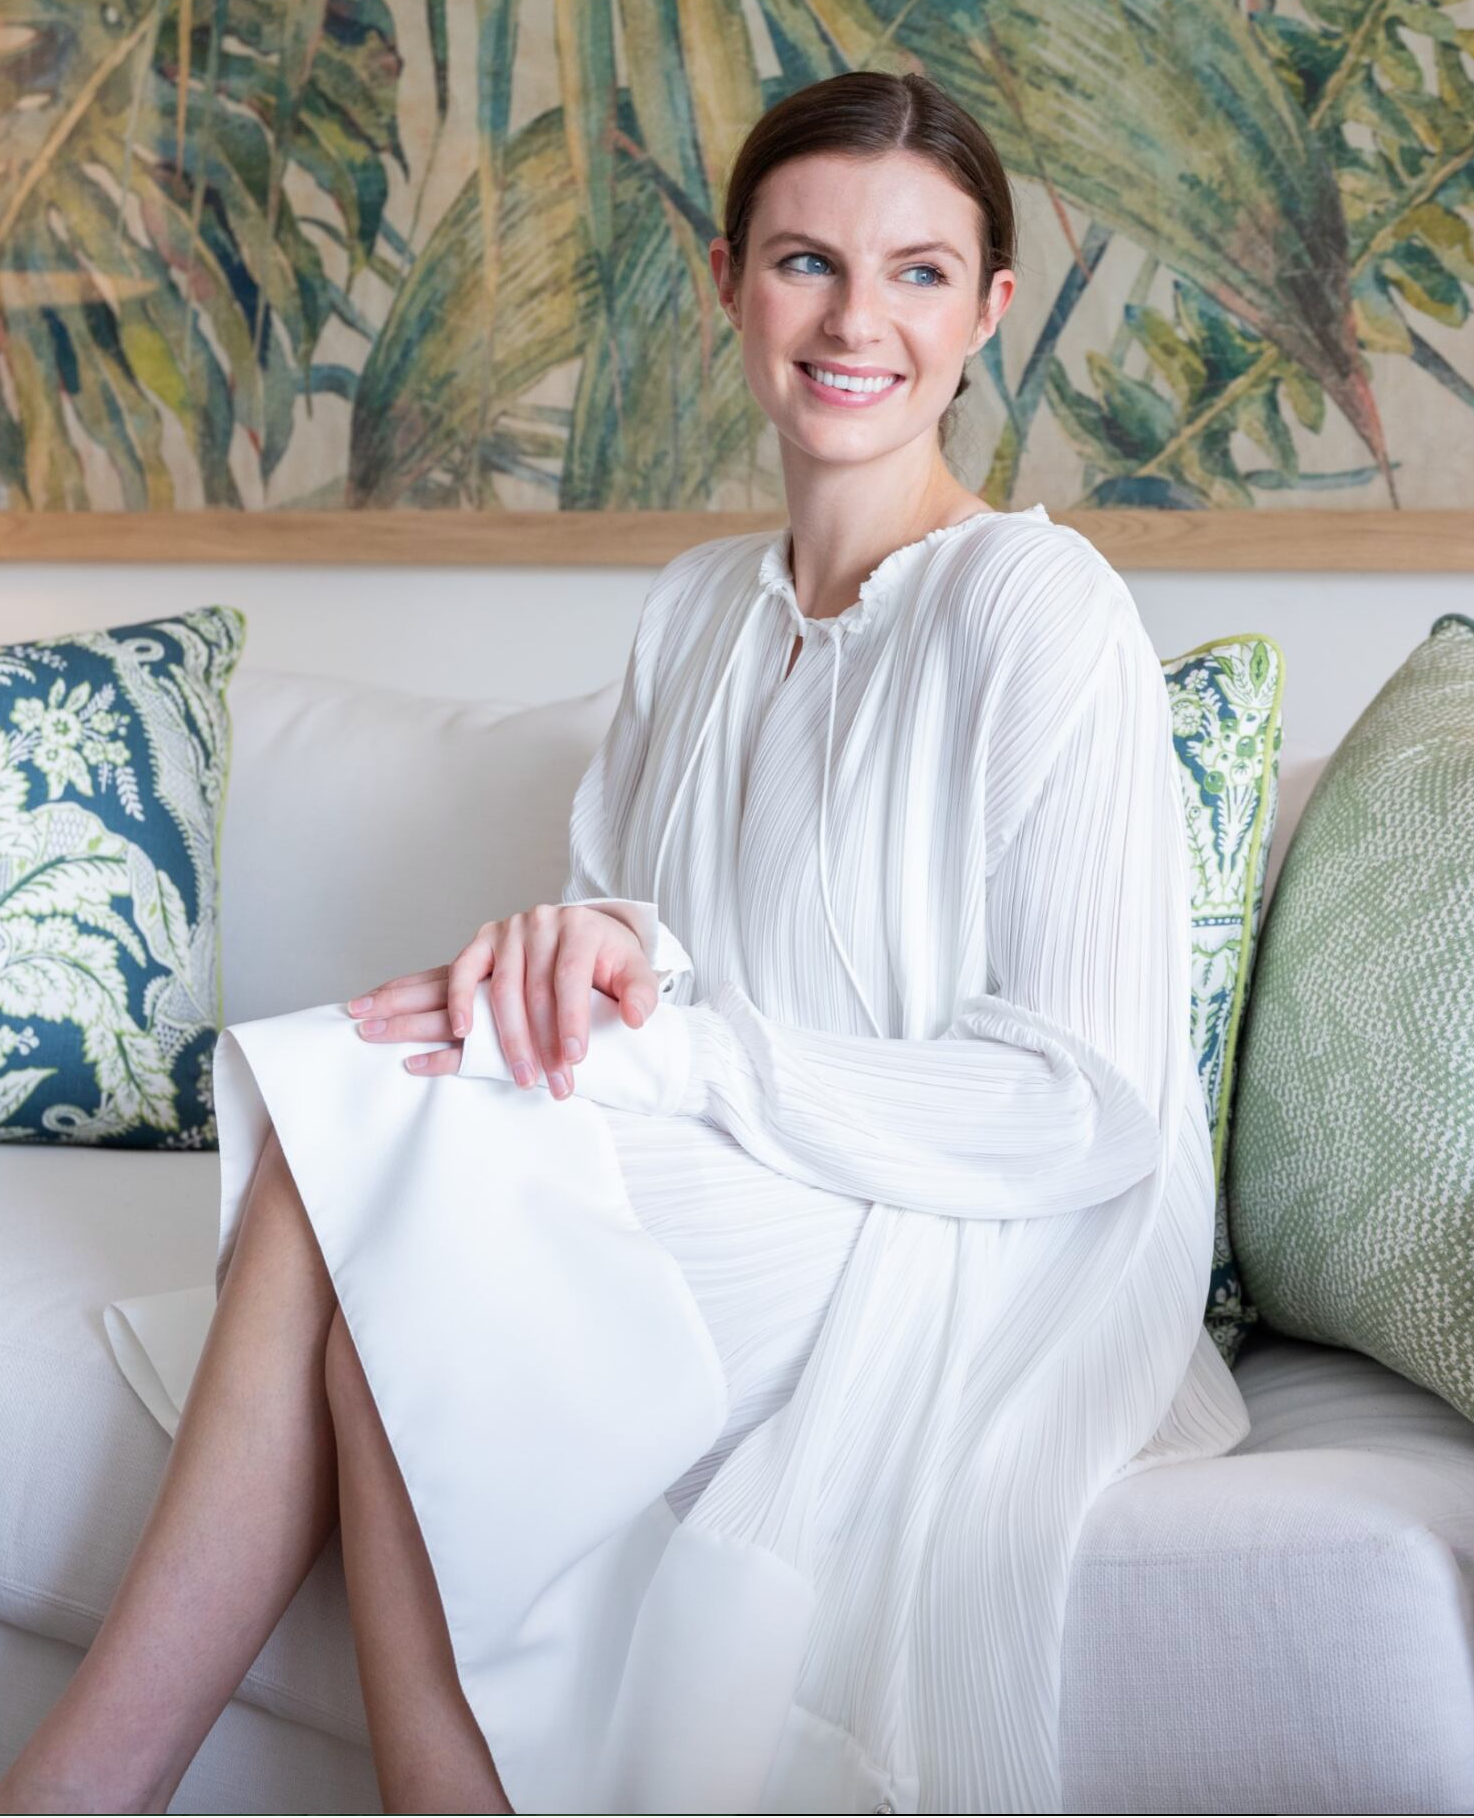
(572, 1049)
(637, 1005)
(558, 1084)
(376, 1025)
(359, 1004)
(522, 1073)
(417, 1060)
(458, 1023)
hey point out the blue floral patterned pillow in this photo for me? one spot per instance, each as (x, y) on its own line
(1225, 698)
(114, 757)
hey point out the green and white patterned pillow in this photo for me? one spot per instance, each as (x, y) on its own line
(1351, 1172)
(1225, 698)
(114, 758)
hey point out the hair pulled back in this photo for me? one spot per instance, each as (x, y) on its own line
(865, 114)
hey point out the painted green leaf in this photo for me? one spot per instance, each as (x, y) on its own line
(1166, 120)
(96, 91)
(687, 413)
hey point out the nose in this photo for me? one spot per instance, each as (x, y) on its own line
(855, 314)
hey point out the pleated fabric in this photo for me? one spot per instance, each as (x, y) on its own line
(933, 906)
(762, 1253)
(751, 1400)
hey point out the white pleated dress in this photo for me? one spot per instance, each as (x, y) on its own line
(751, 1399)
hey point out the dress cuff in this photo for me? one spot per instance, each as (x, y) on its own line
(644, 1069)
(666, 956)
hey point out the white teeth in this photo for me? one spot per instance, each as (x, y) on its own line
(842, 382)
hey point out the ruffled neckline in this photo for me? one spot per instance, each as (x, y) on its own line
(882, 583)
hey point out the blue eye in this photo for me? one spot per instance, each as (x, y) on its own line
(803, 255)
(940, 275)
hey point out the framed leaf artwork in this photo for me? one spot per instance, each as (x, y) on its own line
(287, 279)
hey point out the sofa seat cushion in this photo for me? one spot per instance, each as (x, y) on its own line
(1288, 1627)
(82, 1456)
(1284, 1628)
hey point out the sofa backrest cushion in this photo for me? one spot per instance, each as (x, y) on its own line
(370, 832)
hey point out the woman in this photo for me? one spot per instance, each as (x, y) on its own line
(713, 1432)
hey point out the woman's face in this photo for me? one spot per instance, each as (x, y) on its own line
(886, 281)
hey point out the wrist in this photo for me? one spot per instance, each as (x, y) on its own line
(663, 952)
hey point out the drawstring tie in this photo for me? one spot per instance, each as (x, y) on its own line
(700, 740)
(835, 640)
(835, 630)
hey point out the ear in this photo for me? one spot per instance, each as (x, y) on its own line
(719, 252)
(1000, 295)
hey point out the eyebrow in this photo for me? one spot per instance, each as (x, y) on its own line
(898, 252)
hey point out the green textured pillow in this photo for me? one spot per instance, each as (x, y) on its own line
(1351, 1172)
(1225, 698)
(114, 756)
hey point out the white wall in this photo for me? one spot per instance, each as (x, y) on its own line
(536, 634)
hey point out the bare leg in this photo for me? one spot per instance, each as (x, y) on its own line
(247, 1500)
(429, 1753)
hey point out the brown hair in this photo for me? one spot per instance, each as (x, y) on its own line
(866, 113)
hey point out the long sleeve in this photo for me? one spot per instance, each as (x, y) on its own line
(606, 793)
(1042, 1094)
(641, 1069)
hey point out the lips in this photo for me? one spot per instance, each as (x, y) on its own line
(841, 397)
(850, 372)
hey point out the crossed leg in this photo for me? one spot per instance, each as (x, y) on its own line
(255, 1481)
(429, 1753)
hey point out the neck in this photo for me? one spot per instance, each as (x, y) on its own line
(834, 546)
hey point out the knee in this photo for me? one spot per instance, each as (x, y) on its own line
(347, 1388)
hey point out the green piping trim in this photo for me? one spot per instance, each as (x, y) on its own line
(220, 818)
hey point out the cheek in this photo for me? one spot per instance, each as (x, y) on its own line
(940, 340)
(776, 318)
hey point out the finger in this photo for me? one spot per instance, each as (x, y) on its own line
(634, 983)
(509, 1010)
(573, 981)
(466, 971)
(540, 991)
(408, 978)
(395, 999)
(416, 1026)
(438, 1060)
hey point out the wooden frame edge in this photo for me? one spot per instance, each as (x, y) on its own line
(1368, 541)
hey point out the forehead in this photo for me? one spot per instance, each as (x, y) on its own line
(870, 205)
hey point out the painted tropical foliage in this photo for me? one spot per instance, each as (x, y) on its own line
(452, 253)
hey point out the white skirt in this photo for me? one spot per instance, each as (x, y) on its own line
(569, 1315)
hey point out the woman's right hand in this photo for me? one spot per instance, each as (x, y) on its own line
(542, 963)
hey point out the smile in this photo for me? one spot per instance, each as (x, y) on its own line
(850, 394)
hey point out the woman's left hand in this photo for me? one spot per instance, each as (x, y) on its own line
(411, 1009)
(631, 1067)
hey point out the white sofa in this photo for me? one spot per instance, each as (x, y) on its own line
(1287, 1629)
